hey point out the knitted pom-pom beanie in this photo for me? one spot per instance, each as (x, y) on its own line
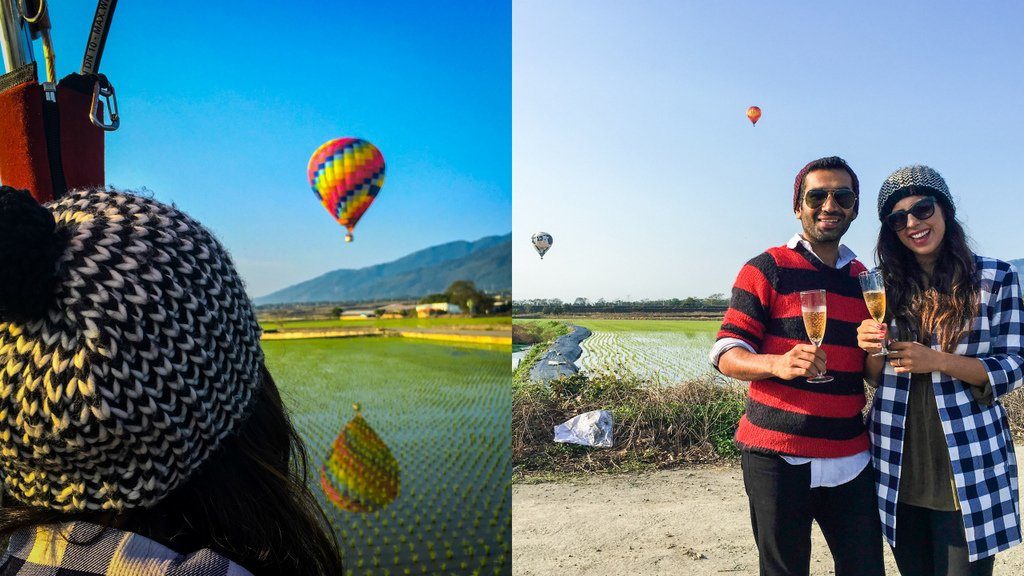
(128, 349)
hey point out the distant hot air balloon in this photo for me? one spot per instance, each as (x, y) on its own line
(754, 114)
(346, 174)
(360, 474)
(542, 241)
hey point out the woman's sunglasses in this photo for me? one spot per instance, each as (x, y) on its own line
(923, 209)
(845, 197)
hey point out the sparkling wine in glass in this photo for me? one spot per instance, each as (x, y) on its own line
(812, 307)
(874, 296)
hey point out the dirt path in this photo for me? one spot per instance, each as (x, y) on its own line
(678, 522)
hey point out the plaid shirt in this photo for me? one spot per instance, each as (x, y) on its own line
(83, 549)
(980, 446)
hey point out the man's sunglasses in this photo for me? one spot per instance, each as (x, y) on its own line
(923, 209)
(845, 197)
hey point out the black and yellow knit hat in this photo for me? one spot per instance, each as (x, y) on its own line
(128, 349)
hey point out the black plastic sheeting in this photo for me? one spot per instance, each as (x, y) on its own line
(560, 358)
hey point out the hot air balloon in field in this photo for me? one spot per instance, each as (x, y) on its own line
(754, 114)
(346, 174)
(542, 241)
(360, 474)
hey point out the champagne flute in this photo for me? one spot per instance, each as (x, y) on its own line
(874, 296)
(812, 307)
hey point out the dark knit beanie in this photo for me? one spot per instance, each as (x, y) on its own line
(827, 163)
(913, 181)
(128, 349)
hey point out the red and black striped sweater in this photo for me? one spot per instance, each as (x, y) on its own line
(795, 417)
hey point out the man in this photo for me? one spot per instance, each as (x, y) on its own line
(804, 448)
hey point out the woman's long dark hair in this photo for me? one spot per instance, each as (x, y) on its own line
(943, 304)
(249, 502)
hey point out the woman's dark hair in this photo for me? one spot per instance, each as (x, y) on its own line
(943, 304)
(249, 502)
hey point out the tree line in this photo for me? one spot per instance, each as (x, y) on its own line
(714, 303)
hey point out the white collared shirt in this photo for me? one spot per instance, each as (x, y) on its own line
(825, 472)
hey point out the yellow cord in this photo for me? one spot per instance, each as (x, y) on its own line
(48, 54)
(50, 57)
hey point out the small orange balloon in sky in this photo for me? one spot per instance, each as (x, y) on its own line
(754, 113)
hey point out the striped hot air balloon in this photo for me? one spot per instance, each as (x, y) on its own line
(346, 174)
(360, 474)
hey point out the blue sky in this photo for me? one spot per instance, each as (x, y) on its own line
(222, 106)
(632, 148)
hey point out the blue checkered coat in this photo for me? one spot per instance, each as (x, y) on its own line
(980, 446)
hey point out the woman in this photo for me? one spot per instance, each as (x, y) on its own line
(140, 432)
(947, 475)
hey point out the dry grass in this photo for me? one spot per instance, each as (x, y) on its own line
(1014, 404)
(536, 332)
(654, 427)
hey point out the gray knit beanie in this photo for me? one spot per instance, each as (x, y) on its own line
(913, 181)
(128, 349)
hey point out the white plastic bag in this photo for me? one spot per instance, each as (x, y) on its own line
(589, 429)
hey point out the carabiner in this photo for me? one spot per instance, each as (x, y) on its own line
(104, 89)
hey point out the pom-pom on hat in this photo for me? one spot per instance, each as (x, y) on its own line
(128, 349)
(913, 181)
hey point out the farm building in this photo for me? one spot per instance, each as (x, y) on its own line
(437, 309)
(398, 310)
(358, 314)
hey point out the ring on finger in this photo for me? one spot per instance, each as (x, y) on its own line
(899, 362)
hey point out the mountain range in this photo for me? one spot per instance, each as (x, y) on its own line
(487, 262)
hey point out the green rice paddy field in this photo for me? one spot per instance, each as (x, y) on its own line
(444, 411)
(664, 351)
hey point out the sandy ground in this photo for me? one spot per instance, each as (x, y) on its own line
(692, 521)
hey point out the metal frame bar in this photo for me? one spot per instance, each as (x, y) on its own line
(15, 36)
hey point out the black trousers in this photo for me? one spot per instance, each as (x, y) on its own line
(783, 505)
(932, 543)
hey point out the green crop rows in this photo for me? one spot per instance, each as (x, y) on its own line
(444, 411)
(664, 351)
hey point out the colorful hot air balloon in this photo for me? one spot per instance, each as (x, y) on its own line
(346, 174)
(542, 241)
(360, 474)
(754, 114)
